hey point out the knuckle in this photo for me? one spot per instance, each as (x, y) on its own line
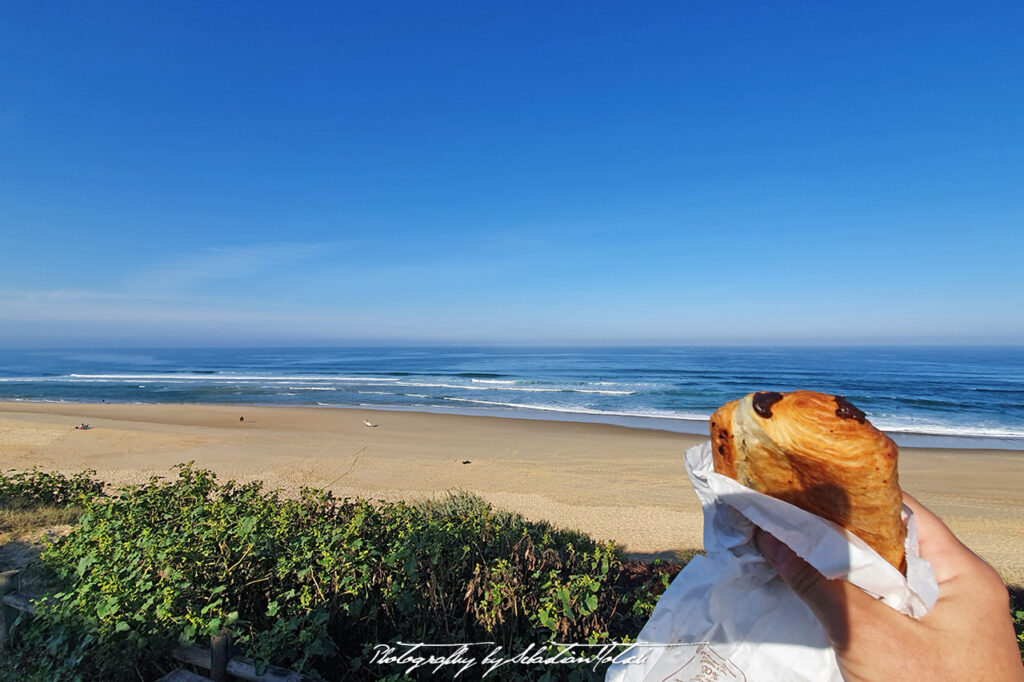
(998, 593)
(990, 585)
(805, 580)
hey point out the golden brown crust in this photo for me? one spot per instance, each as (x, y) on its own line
(819, 453)
(721, 440)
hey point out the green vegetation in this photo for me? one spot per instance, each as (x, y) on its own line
(21, 520)
(34, 499)
(314, 583)
(39, 487)
(1017, 614)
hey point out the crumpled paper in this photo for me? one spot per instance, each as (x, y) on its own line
(729, 616)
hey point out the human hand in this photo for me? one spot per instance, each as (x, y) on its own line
(966, 636)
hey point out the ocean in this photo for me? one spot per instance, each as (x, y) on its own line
(952, 396)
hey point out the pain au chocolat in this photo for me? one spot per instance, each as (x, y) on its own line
(817, 452)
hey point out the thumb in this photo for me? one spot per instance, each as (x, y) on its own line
(828, 599)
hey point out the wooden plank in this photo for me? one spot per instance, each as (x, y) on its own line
(198, 656)
(245, 668)
(20, 602)
(8, 584)
(239, 666)
(182, 675)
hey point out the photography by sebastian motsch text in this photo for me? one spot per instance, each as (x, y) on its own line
(488, 657)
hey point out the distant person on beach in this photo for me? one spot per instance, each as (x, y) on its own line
(966, 636)
(241, 419)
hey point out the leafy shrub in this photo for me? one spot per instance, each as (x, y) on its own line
(34, 499)
(34, 488)
(314, 583)
(1017, 615)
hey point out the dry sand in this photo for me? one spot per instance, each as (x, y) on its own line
(616, 483)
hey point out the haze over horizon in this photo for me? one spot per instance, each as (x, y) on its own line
(206, 174)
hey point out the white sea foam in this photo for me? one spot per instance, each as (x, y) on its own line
(933, 429)
(520, 389)
(488, 384)
(464, 387)
(29, 380)
(245, 381)
(888, 426)
(602, 392)
(661, 414)
(218, 377)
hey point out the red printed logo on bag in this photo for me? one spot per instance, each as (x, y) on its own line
(707, 666)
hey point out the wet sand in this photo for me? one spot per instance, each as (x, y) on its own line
(614, 483)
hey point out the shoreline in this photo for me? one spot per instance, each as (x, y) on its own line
(613, 482)
(680, 425)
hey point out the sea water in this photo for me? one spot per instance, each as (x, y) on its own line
(952, 396)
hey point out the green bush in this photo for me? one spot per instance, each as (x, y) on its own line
(314, 583)
(1017, 615)
(34, 500)
(36, 488)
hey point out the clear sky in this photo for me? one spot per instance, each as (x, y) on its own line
(208, 173)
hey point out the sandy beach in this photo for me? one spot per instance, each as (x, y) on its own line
(614, 483)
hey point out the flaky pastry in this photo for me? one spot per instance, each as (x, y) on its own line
(817, 452)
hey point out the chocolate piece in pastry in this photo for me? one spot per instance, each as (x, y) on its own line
(817, 452)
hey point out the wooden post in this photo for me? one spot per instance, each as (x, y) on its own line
(8, 584)
(220, 655)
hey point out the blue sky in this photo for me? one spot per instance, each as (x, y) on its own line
(206, 173)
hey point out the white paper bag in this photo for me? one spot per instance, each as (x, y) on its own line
(729, 616)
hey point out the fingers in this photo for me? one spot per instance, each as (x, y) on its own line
(832, 601)
(957, 569)
(936, 542)
(948, 556)
(931, 530)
